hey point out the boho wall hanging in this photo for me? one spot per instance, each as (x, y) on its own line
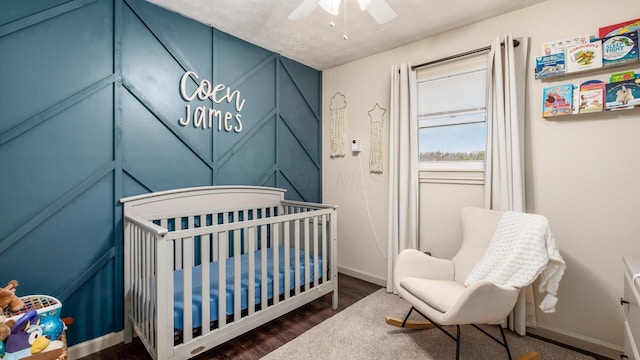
(338, 124)
(376, 114)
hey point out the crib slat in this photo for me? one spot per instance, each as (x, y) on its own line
(164, 304)
(296, 255)
(223, 239)
(307, 270)
(252, 271)
(147, 286)
(325, 256)
(237, 276)
(187, 284)
(315, 250)
(245, 244)
(178, 244)
(263, 266)
(275, 233)
(205, 248)
(287, 264)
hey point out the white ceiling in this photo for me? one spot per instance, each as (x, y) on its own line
(315, 43)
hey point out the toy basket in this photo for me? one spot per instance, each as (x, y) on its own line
(44, 304)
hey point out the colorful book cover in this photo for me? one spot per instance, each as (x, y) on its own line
(584, 57)
(591, 96)
(549, 65)
(558, 46)
(620, 49)
(622, 76)
(557, 100)
(623, 95)
(575, 106)
(618, 29)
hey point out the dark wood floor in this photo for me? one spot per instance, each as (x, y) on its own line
(266, 338)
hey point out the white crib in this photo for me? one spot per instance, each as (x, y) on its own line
(244, 250)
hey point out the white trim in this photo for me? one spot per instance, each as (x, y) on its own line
(94, 345)
(469, 165)
(576, 340)
(362, 275)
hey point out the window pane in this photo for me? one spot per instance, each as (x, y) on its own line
(453, 143)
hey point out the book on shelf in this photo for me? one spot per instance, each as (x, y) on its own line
(549, 65)
(620, 28)
(557, 100)
(623, 94)
(558, 46)
(584, 56)
(619, 49)
(622, 76)
(591, 96)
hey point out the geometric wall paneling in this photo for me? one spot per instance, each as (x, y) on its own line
(296, 110)
(154, 155)
(297, 166)
(102, 124)
(240, 57)
(306, 81)
(258, 89)
(57, 66)
(51, 159)
(182, 36)
(292, 192)
(250, 164)
(13, 10)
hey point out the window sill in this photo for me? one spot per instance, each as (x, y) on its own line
(447, 173)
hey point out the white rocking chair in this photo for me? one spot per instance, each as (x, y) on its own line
(435, 287)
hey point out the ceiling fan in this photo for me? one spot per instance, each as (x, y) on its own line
(378, 9)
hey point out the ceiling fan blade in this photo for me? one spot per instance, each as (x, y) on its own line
(381, 11)
(364, 4)
(330, 6)
(303, 9)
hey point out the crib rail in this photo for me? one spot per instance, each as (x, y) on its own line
(273, 239)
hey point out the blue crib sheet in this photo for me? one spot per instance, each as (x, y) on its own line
(244, 276)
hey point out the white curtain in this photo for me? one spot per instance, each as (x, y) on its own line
(504, 173)
(403, 166)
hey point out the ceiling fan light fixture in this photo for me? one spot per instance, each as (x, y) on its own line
(330, 6)
(364, 4)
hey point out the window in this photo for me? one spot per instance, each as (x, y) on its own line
(452, 115)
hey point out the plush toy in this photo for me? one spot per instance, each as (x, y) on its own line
(8, 298)
(27, 338)
(5, 329)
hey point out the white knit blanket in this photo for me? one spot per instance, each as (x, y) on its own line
(522, 249)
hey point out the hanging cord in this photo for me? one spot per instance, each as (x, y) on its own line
(345, 21)
(366, 202)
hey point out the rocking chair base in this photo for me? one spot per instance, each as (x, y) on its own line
(410, 324)
(424, 325)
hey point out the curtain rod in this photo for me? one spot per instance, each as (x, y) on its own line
(466, 53)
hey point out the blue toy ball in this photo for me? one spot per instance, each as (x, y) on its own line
(52, 326)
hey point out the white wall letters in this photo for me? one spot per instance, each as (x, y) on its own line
(208, 118)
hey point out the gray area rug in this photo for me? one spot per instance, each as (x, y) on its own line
(359, 332)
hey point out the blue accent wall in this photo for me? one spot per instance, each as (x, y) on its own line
(89, 109)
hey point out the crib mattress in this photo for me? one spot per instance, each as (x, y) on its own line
(244, 284)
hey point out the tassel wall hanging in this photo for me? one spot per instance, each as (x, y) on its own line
(375, 152)
(338, 124)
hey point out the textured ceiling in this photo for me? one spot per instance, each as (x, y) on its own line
(315, 43)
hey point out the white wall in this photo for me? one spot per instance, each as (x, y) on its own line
(582, 172)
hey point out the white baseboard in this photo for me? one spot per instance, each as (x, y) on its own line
(576, 340)
(362, 275)
(94, 345)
